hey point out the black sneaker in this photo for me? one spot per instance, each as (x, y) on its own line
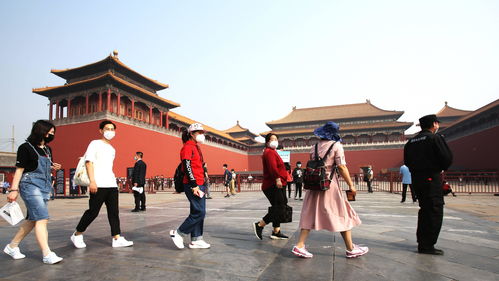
(278, 236)
(227, 196)
(431, 251)
(258, 230)
(135, 210)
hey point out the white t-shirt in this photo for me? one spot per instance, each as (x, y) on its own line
(102, 155)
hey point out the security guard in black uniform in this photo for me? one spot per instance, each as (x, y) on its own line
(427, 155)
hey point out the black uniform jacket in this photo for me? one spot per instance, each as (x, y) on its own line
(427, 153)
(139, 173)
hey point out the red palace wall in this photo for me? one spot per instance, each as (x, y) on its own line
(161, 152)
(379, 159)
(477, 151)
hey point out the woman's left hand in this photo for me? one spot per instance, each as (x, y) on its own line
(12, 196)
(56, 166)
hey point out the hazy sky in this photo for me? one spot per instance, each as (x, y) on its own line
(253, 60)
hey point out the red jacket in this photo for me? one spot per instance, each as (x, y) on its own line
(191, 151)
(273, 168)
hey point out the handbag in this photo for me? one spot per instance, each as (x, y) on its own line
(12, 213)
(350, 195)
(81, 177)
(281, 213)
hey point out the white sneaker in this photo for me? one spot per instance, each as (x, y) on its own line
(199, 244)
(121, 242)
(15, 253)
(357, 251)
(51, 258)
(78, 241)
(177, 239)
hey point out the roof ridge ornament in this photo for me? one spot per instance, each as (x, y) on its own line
(115, 54)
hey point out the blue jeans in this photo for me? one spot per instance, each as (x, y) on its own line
(193, 224)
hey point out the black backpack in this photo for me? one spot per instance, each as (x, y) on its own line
(315, 177)
(178, 178)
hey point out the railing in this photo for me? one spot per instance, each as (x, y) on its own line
(460, 182)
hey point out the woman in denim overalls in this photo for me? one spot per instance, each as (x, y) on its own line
(35, 188)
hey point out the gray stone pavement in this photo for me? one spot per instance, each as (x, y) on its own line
(471, 244)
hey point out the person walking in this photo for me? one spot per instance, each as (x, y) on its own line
(33, 180)
(194, 188)
(298, 180)
(427, 155)
(368, 178)
(227, 179)
(99, 159)
(273, 186)
(139, 181)
(207, 181)
(232, 183)
(289, 178)
(329, 209)
(406, 181)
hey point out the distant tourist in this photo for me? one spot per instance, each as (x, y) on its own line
(289, 178)
(232, 184)
(139, 182)
(406, 181)
(207, 181)
(329, 210)
(368, 178)
(447, 189)
(427, 155)
(298, 180)
(32, 179)
(192, 163)
(273, 186)
(99, 159)
(227, 179)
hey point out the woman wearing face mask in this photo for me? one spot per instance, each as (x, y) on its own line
(194, 188)
(33, 181)
(273, 186)
(103, 188)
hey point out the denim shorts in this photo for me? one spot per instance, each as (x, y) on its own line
(36, 202)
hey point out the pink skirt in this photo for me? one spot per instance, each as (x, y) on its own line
(328, 210)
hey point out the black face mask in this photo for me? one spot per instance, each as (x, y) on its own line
(49, 138)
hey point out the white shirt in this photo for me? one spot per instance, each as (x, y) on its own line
(102, 154)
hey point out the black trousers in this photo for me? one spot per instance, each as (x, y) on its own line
(277, 197)
(109, 196)
(298, 186)
(404, 192)
(369, 186)
(428, 188)
(140, 200)
(289, 189)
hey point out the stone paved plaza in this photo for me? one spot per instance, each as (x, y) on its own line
(470, 242)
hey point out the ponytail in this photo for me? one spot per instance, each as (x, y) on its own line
(185, 135)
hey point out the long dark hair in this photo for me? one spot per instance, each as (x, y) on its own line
(185, 135)
(39, 131)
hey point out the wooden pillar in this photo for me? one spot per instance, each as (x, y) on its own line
(86, 104)
(50, 110)
(118, 104)
(167, 120)
(150, 115)
(100, 102)
(57, 110)
(69, 108)
(133, 109)
(109, 100)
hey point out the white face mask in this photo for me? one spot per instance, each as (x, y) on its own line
(109, 135)
(273, 144)
(200, 138)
